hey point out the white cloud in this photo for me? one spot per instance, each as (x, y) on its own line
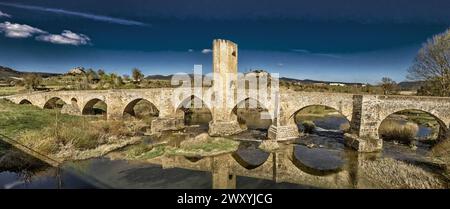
(78, 14)
(206, 51)
(66, 37)
(14, 30)
(2, 14)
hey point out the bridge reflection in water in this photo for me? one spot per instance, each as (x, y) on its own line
(292, 166)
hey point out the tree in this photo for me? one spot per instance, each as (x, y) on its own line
(432, 65)
(100, 72)
(32, 81)
(388, 85)
(91, 76)
(115, 80)
(137, 75)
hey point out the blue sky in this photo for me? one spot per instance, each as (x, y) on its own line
(347, 40)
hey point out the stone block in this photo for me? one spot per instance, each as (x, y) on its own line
(224, 128)
(70, 110)
(280, 133)
(166, 124)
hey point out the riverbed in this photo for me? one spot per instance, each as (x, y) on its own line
(318, 160)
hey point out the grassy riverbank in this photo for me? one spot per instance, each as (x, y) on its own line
(60, 136)
(200, 146)
(10, 90)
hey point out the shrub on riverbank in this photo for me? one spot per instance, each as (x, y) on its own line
(308, 126)
(394, 131)
(345, 127)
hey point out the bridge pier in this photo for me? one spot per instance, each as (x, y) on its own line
(363, 136)
(225, 59)
(222, 173)
(281, 133)
(168, 120)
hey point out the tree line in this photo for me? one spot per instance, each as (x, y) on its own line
(34, 81)
(431, 67)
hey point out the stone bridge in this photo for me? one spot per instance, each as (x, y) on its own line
(364, 112)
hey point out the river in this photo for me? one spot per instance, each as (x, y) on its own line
(318, 160)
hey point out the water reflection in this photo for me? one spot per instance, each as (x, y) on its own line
(21, 171)
(318, 160)
(249, 155)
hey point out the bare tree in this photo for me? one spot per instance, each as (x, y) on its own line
(388, 85)
(32, 81)
(432, 65)
(137, 75)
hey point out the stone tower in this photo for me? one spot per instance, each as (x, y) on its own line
(225, 59)
(224, 56)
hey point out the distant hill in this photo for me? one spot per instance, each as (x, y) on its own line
(309, 81)
(159, 77)
(305, 81)
(165, 77)
(410, 85)
(7, 73)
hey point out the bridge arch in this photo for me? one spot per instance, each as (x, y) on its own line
(252, 113)
(389, 120)
(324, 116)
(95, 106)
(140, 108)
(347, 116)
(25, 101)
(194, 111)
(54, 103)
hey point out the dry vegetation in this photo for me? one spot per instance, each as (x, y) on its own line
(441, 151)
(390, 173)
(394, 131)
(63, 137)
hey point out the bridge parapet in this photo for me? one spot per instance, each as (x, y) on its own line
(365, 112)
